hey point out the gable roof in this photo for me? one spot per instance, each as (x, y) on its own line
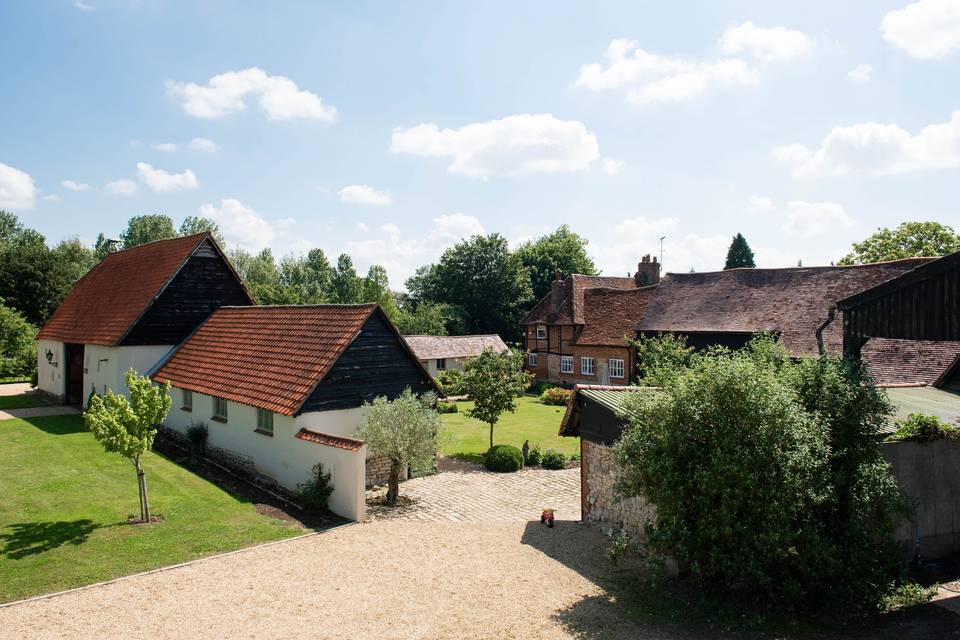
(105, 303)
(610, 315)
(610, 398)
(270, 357)
(792, 302)
(570, 307)
(432, 347)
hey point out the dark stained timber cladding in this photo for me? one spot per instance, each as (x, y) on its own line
(203, 285)
(375, 364)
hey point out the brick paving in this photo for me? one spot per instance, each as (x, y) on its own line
(473, 494)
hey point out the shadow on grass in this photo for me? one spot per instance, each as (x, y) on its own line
(24, 539)
(58, 425)
(472, 458)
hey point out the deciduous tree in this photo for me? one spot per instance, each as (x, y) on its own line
(906, 241)
(562, 250)
(147, 228)
(494, 381)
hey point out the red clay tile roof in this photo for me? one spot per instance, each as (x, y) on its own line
(330, 440)
(269, 357)
(909, 362)
(431, 347)
(570, 308)
(107, 301)
(792, 302)
(611, 314)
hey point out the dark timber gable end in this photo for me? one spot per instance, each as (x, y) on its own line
(376, 363)
(203, 284)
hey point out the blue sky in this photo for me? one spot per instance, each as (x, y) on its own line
(390, 130)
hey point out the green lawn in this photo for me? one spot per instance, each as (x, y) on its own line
(64, 503)
(539, 423)
(20, 402)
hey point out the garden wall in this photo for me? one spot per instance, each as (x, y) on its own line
(930, 473)
(599, 502)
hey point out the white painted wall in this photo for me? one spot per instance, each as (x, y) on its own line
(51, 376)
(105, 367)
(452, 364)
(283, 457)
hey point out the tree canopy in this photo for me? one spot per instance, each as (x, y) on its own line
(739, 254)
(494, 381)
(561, 250)
(908, 240)
(18, 349)
(147, 228)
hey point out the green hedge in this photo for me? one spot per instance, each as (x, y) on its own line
(503, 458)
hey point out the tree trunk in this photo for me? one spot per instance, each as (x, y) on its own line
(142, 486)
(136, 467)
(393, 484)
(491, 435)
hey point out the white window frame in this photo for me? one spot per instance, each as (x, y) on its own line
(532, 359)
(265, 421)
(541, 332)
(616, 366)
(564, 361)
(222, 417)
(583, 366)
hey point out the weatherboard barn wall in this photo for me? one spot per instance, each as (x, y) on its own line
(283, 457)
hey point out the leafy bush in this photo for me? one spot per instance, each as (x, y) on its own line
(197, 435)
(447, 407)
(534, 457)
(660, 357)
(315, 493)
(503, 458)
(18, 349)
(924, 428)
(553, 460)
(539, 387)
(767, 478)
(556, 396)
(451, 381)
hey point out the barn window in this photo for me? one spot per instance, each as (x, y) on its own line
(586, 366)
(265, 421)
(441, 364)
(616, 368)
(220, 409)
(532, 359)
(566, 364)
(541, 332)
(187, 400)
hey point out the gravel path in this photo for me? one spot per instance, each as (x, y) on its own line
(382, 579)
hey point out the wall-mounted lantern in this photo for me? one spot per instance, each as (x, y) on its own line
(49, 356)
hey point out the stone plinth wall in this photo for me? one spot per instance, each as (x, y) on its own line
(599, 502)
(378, 472)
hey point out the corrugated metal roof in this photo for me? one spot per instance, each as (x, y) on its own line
(927, 400)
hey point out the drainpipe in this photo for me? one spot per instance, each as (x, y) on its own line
(820, 329)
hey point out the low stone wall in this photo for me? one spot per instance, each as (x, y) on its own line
(930, 473)
(599, 501)
(378, 472)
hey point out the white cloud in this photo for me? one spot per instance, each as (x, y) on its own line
(362, 227)
(240, 224)
(284, 223)
(877, 149)
(166, 147)
(279, 97)
(83, 6)
(401, 255)
(204, 144)
(610, 166)
(929, 29)
(75, 186)
(363, 194)
(51, 197)
(17, 190)
(160, 180)
(861, 73)
(760, 203)
(767, 44)
(652, 78)
(810, 219)
(121, 187)
(511, 146)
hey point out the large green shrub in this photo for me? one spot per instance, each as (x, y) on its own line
(451, 381)
(18, 349)
(556, 396)
(553, 459)
(316, 492)
(767, 477)
(924, 428)
(503, 458)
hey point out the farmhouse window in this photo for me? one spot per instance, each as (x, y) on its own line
(441, 364)
(586, 366)
(566, 364)
(220, 409)
(616, 368)
(265, 421)
(187, 400)
(532, 359)
(541, 332)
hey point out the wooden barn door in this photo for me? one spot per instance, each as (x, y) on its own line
(74, 374)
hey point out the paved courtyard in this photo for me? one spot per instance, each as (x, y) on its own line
(470, 493)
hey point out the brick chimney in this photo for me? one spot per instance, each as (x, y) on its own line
(648, 272)
(556, 290)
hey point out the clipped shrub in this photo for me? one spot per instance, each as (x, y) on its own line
(553, 460)
(924, 428)
(556, 396)
(534, 457)
(315, 493)
(451, 382)
(447, 407)
(503, 458)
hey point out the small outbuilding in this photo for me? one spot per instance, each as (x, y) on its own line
(442, 353)
(281, 388)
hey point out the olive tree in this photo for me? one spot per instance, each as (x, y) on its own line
(405, 431)
(128, 427)
(494, 381)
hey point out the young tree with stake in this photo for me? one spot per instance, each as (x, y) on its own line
(494, 381)
(128, 427)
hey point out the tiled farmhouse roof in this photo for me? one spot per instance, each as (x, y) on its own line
(329, 440)
(792, 302)
(611, 314)
(909, 362)
(432, 347)
(107, 301)
(570, 307)
(271, 357)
